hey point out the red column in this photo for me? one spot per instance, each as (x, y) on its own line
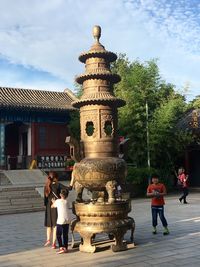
(33, 140)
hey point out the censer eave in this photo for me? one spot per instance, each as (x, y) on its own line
(109, 56)
(112, 77)
(117, 102)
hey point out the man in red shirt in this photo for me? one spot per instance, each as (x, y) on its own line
(157, 191)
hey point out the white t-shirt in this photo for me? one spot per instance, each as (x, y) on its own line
(119, 188)
(63, 211)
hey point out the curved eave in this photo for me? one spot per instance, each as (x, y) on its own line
(113, 78)
(36, 108)
(31, 99)
(101, 101)
(109, 56)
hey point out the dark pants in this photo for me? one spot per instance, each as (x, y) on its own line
(185, 194)
(158, 210)
(62, 232)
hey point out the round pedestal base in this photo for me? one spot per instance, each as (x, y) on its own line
(110, 218)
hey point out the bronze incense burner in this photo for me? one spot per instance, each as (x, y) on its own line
(100, 170)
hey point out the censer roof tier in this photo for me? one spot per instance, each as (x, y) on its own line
(98, 79)
(108, 100)
(96, 52)
(97, 61)
(99, 74)
(97, 49)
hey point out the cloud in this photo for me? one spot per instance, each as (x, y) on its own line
(12, 75)
(48, 36)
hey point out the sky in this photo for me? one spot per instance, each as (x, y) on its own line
(40, 40)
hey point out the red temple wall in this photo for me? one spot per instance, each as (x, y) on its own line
(49, 139)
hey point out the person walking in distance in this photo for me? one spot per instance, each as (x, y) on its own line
(183, 184)
(63, 221)
(157, 191)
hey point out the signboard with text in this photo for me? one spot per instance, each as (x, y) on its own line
(51, 161)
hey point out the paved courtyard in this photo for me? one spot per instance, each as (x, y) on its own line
(22, 237)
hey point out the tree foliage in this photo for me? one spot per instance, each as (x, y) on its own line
(196, 102)
(141, 86)
(168, 142)
(74, 122)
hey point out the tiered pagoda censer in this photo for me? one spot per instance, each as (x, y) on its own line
(101, 170)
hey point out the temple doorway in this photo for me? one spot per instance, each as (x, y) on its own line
(12, 145)
(194, 167)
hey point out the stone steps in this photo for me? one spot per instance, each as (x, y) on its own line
(25, 202)
(29, 196)
(21, 207)
(3, 179)
(20, 199)
(24, 177)
(11, 188)
(19, 210)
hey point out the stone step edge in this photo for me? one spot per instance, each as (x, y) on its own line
(14, 203)
(20, 207)
(32, 195)
(26, 210)
(18, 188)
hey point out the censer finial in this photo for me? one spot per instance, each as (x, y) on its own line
(97, 33)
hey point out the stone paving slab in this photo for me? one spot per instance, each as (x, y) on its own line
(22, 237)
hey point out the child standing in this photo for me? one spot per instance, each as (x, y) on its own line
(157, 191)
(63, 221)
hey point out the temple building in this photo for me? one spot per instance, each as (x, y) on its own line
(33, 127)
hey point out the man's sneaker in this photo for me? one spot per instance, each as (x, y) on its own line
(154, 231)
(166, 231)
(53, 246)
(47, 243)
(62, 250)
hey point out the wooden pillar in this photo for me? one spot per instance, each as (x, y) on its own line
(2, 146)
(33, 140)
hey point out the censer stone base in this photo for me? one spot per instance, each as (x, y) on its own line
(110, 218)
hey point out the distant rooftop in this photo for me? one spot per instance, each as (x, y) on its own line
(36, 99)
(191, 120)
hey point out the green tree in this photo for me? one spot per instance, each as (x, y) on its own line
(168, 142)
(196, 102)
(141, 84)
(74, 123)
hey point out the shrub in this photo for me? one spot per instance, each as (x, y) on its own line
(140, 178)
